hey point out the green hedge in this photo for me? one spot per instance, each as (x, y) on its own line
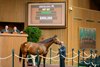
(34, 33)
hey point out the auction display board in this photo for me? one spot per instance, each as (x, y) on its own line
(47, 15)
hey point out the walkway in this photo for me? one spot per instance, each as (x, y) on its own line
(48, 65)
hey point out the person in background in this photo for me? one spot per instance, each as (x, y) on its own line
(62, 52)
(15, 30)
(6, 30)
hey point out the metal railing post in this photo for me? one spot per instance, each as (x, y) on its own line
(78, 57)
(37, 58)
(96, 57)
(91, 52)
(83, 53)
(50, 54)
(12, 57)
(60, 59)
(72, 56)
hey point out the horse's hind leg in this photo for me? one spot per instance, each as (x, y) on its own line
(23, 65)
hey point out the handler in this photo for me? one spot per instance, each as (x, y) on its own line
(62, 52)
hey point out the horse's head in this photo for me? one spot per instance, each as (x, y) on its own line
(57, 41)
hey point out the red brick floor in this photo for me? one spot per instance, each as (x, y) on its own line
(48, 65)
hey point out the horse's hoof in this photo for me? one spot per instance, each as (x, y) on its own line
(29, 64)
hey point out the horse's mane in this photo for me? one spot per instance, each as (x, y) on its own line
(48, 40)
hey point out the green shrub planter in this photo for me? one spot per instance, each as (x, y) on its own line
(34, 33)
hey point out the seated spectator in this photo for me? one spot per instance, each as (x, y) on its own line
(6, 30)
(15, 30)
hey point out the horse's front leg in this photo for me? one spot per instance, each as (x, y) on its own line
(44, 60)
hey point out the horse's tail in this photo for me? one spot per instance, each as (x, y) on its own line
(20, 52)
(20, 55)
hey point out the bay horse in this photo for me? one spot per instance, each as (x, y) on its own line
(42, 47)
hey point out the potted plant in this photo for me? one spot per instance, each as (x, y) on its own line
(34, 33)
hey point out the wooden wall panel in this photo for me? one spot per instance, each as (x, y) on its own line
(7, 43)
(6, 11)
(78, 18)
(81, 3)
(12, 10)
(5, 51)
(84, 13)
(15, 10)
